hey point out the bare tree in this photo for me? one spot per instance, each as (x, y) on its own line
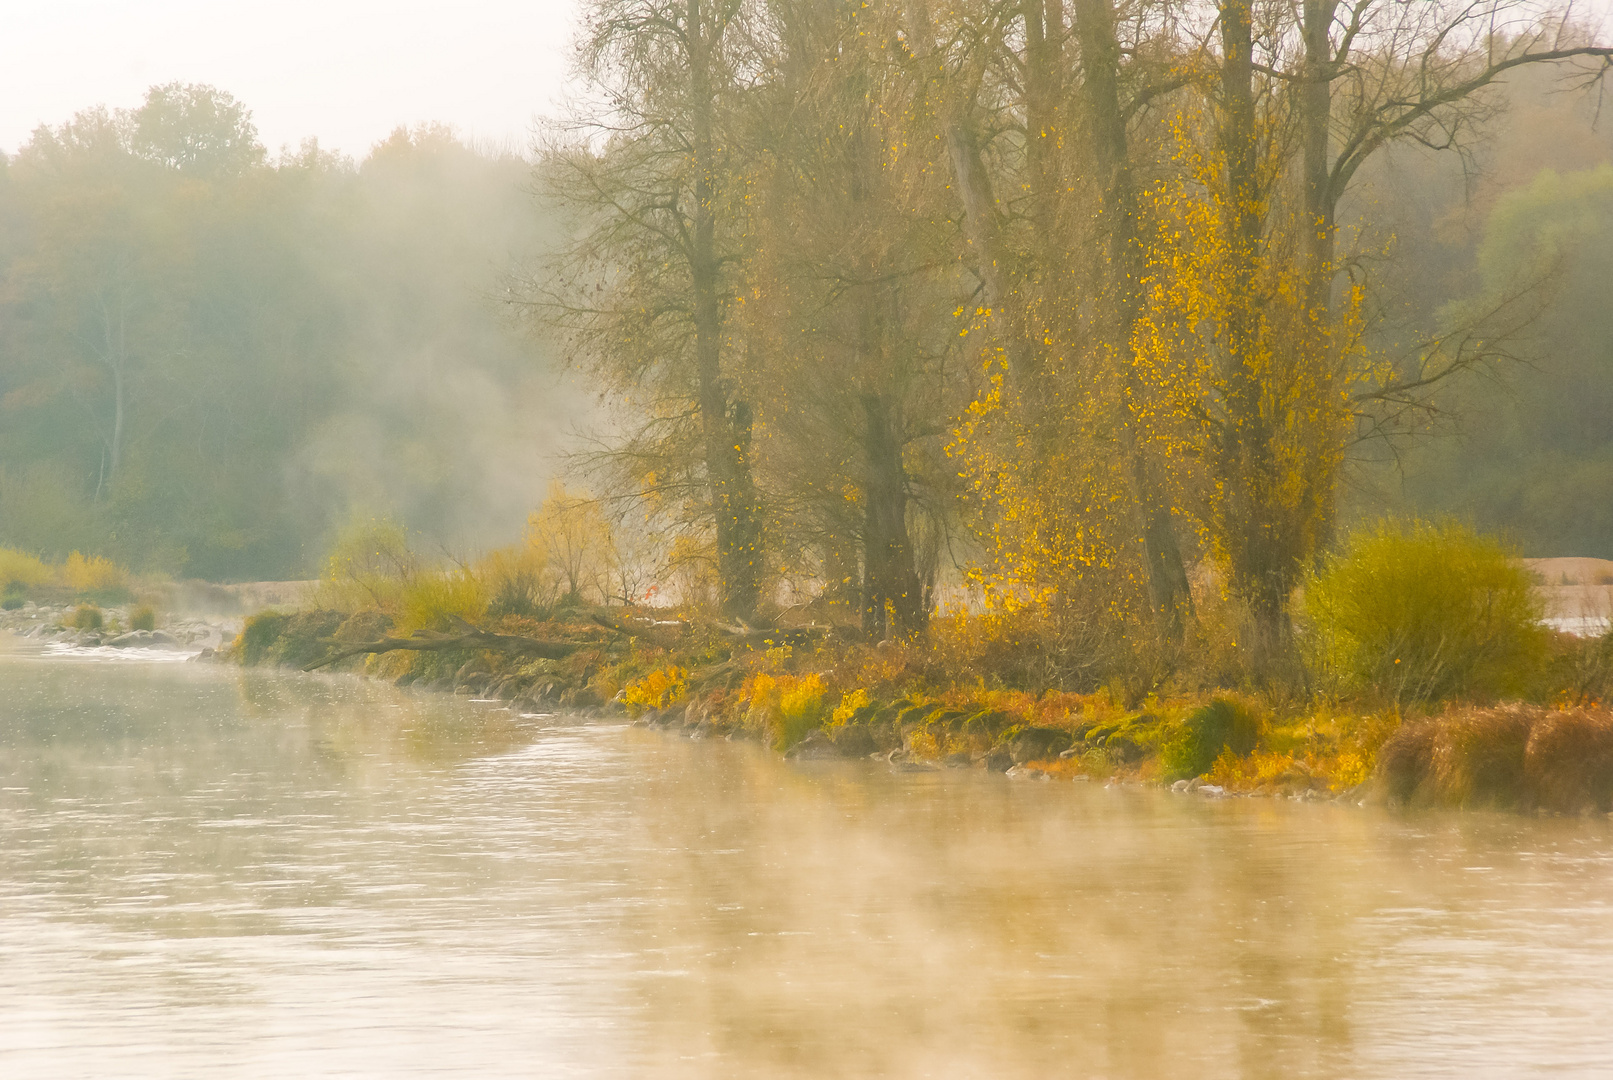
(645, 293)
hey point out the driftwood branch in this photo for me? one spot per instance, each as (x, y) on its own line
(794, 635)
(470, 639)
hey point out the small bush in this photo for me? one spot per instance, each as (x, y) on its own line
(851, 706)
(143, 617)
(1222, 725)
(12, 602)
(87, 617)
(517, 582)
(289, 640)
(657, 690)
(94, 574)
(369, 564)
(1424, 612)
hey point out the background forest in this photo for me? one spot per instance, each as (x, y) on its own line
(212, 358)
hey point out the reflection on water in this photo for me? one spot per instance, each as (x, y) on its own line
(205, 872)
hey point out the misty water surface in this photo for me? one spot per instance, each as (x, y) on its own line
(212, 873)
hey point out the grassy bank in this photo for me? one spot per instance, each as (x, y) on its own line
(1418, 665)
(809, 692)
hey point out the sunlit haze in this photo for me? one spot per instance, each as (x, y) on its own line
(344, 71)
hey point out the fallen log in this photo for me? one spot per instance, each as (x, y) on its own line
(470, 639)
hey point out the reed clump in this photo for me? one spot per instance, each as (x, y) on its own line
(1513, 757)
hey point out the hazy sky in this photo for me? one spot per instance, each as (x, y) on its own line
(347, 71)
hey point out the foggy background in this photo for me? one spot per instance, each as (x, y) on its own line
(306, 305)
(313, 330)
(344, 71)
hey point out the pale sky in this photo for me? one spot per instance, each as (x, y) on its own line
(346, 71)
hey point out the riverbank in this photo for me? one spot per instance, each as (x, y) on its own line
(813, 692)
(809, 692)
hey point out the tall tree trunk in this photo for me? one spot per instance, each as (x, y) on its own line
(986, 251)
(1044, 93)
(891, 585)
(725, 424)
(1168, 588)
(1320, 206)
(1261, 571)
(1315, 114)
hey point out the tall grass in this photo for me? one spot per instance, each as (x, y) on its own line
(1422, 612)
(372, 568)
(436, 600)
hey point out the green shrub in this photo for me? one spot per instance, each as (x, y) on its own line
(369, 565)
(87, 617)
(143, 617)
(1423, 612)
(1198, 740)
(12, 602)
(288, 640)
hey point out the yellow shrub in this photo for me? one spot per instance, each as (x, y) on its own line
(93, 574)
(657, 690)
(785, 706)
(370, 565)
(848, 706)
(20, 568)
(1423, 612)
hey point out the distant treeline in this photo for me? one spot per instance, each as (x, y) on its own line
(211, 358)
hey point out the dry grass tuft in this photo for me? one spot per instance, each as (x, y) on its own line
(1522, 757)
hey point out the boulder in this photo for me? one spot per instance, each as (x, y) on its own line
(997, 760)
(854, 740)
(815, 747)
(1038, 744)
(1122, 749)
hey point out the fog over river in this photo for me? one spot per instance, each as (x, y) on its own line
(210, 872)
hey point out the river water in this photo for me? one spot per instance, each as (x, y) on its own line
(206, 872)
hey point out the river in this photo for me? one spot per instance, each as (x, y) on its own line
(208, 872)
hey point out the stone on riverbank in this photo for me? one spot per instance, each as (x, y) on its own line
(1038, 744)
